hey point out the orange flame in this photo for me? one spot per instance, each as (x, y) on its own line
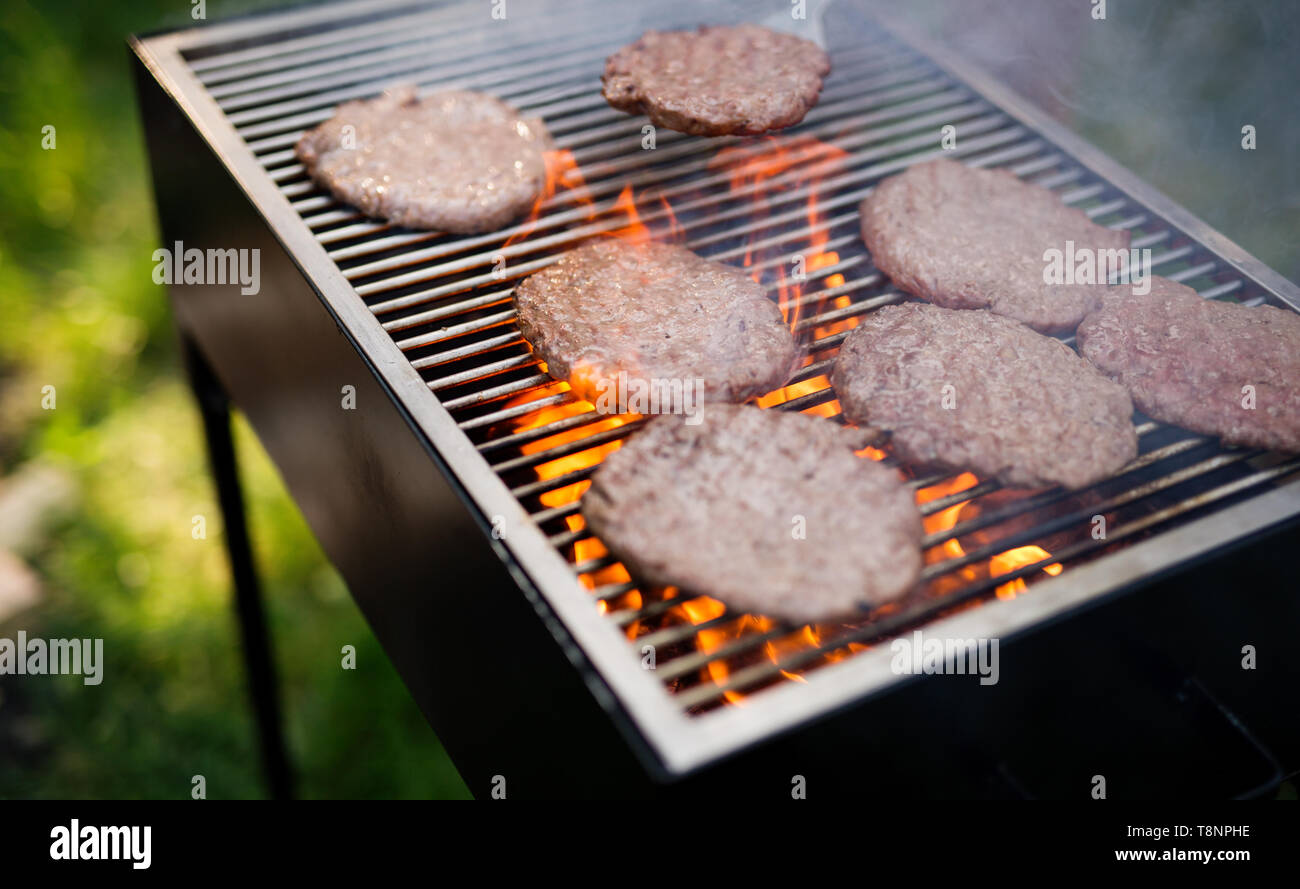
(587, 548)
(703, 610)
(712, 639)
(783, 165)
(945, 519)
(562, 172)
(634, 230)
(800, 389)
(1005, 563)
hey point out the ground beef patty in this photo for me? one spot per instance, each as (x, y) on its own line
(742, 79)
(967, 238)
(1188, 361)
(768, 511)
(973, 390)
(454, 161)
(655, 312)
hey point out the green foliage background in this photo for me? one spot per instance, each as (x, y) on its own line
(79, 311)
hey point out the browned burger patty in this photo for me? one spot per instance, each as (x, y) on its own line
(967, 238)
(655, 312)
(768, 511)
(1188, 361)
(742, 79)
(973, 390)
(454, 161)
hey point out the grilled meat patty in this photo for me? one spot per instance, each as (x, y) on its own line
(967, 238)
(1189, 361)
(768, 511)
(454, 161)
(655, 312)
(742, 79)
(973, 390)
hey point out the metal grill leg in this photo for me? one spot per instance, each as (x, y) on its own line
(214, 406)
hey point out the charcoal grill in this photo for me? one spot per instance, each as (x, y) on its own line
(440, 466)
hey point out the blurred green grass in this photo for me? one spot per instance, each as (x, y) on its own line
(82, 314)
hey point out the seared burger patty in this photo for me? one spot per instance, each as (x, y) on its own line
(454, 161)
(655, 312)
(973, 390)
(743, 79)
(967, 238)
(770, 512)
(1189, 361)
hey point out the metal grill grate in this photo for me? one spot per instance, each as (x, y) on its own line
(446, 299)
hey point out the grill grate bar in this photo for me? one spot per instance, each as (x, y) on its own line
(982, 488)
(275, 127)
(314, 71)
(268, 127)
(485, 370)
(937, 569)
(1057, 495)
(984, 553)
(821, 319)
(678, 633)
(624, 619)
(333, 51)
(574, 214)
(837, 119)
(490, 59)
(565, 509)
(542, 486)
(483, 300)
(515, 339)
(808, 372)
(595, 564)
(404, 238)
(640, 181)
(332, 41)
(746, 678)
(344, 214)
(612, 138)
(261, 105)
(478, 347)
(516, 411)
(574, 235)
(498, 392)
(686, 664)
(590, 441)
(886, 92)
(586, 418)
